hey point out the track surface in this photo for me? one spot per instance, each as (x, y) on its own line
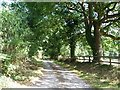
(56, 77)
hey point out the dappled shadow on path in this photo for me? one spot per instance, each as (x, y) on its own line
(56, 77)
(102, 75)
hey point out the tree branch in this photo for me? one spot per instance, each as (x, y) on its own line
(85, 16)
(90, 15)
(95, 5)
(83, 8)
(109, 16)
(108, 5)
(111, 8)
(114, 15)
(115, 20)
(71, 8)
(111, 36)
(107, 26)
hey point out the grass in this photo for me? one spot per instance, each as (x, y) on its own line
(30, 71)
(24, 74)
(98, 76)
(7, 82)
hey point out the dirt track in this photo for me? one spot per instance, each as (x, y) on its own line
(56, 77)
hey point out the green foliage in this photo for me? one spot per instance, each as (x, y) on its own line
(51, 27)
(5, 63)
(12, 39)
(98, 76)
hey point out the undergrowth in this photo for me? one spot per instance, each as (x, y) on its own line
(98, 76)
(22, 72)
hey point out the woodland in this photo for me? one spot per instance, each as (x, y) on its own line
(57, 29)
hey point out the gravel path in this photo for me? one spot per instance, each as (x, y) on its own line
(56, 77)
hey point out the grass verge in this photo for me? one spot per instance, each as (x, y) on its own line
(98, 76)
(23, 75)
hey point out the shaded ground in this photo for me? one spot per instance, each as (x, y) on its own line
(56, 77)
(22, 75)
(98, 76)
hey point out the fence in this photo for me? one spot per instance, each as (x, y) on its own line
(104, 59)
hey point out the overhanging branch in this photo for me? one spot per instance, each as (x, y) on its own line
(114, 20)
(111, 36)
(112, 8)
(108, 5)
(71, 8)
(109, 16)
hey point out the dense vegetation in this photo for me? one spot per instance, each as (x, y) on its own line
(67, 29)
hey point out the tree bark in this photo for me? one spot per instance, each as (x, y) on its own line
(72, 49)
(95, 43)
(71, 36)
(97, 50)
(93, 40)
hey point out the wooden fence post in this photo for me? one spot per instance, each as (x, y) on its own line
(110, 60)
(89, 59)
(84, 58)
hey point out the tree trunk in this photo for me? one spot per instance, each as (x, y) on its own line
(52, 54)
(72, 49)
(94, 41)
(97, 50)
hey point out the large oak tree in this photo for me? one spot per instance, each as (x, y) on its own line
(95, 15)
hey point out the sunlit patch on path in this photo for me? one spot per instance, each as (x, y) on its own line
(56, 77)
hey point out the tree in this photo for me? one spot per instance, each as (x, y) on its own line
(71, 35)
(71, 24)
(46, 28)
(94, 21)
(95, 15)
(13, 44)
